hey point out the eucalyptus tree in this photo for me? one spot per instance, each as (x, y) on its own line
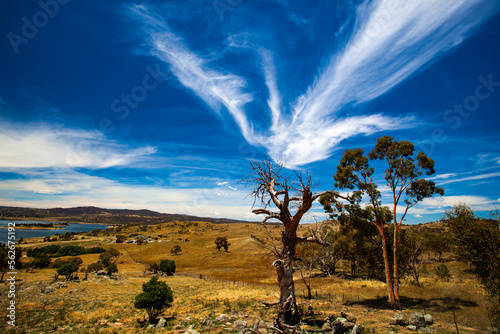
(404, 176)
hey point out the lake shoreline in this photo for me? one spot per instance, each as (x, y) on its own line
(20, 227)
(39, 231)
(53, 220)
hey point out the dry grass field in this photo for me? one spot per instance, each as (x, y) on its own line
(233, 283)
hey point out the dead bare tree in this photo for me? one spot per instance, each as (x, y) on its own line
(291, 200)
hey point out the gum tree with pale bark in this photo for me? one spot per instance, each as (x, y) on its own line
(404, 176)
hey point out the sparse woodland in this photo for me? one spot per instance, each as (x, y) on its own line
(362, 271)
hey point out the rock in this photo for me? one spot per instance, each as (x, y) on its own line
(349, 317)
(417, 319)
(357, 329)
(411, 327)
(188, 318)
(262, 327)
(222, 318)
(326, 326)
(47, 289)
(116, 324)
(177, 328)
(101, 272)
(239, 324)
(348, 325)
(399, 319)
(161, 323)
(207, 322)
(339, 321)
(246, 331)
(428, 319)
(191, 330)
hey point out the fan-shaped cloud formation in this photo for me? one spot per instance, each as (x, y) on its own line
(390, 41)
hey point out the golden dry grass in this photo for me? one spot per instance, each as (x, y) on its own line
(238, 280)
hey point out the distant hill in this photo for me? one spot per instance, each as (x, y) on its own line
(97, 215)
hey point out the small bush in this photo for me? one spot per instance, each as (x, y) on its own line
(94, 267)
(41, 261)
(154, 267)
(68, 269)
(442, 271)
(167, 266)
(155, 298)
(58, 263)
(176, 250)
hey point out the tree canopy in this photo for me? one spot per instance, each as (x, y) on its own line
(221, 242)
(404, 176)
(155, 298)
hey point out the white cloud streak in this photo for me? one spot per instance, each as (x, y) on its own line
(39, 145)
(391, 41)
(470, 178)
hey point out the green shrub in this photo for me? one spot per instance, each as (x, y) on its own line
(155, 298)
(68, 269)
(111, 268)
(58, 263)
(94, 267)
(41, 261)
(176, 250)
(167, 266)
(51, 249)
(154, 267)
(442, 271)
(58, 251)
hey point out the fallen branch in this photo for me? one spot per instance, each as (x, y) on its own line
(270, 303)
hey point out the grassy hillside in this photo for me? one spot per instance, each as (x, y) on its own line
(236, 281)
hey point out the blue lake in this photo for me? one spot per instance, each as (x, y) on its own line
(21, 233)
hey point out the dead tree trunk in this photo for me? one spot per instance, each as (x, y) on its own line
(288, 314)
(272, 189)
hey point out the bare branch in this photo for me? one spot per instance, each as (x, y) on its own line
(314, 240)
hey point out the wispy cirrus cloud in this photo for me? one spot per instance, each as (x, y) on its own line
(44, 145)
(391, 40)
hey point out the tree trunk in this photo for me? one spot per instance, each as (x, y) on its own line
(307, 283)
(288, 313)
(3, 273)
(397, 303)
(353, 268)
(388, 277)
(309, 293)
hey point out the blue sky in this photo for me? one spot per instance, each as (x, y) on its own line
(162, 105)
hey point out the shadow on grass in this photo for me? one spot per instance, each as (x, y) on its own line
(435, 304)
